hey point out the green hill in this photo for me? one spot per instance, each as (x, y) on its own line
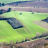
(10, 1)
(30, 29)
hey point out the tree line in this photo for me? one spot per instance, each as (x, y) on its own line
(2, 4)
(4, 11)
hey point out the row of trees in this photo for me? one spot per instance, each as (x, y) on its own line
(13, 45)
(2, 4)
(4, 11)
(38, 45)
(38, 35)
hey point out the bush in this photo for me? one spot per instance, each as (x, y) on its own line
(9, 9)
(22, 40)
(37, 35)
(16, 4)
(3, 4)
(32, 12)
(27, 39)
(20, 13)
(11, 42)
(44, 34)
(17, 41)
(0, 5)
(1, 11)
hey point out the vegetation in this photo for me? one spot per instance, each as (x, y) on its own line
(3, 4)
(0, 4)
(9, 9)
(29, 30)
(9, 1)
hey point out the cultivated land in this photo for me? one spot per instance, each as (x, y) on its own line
(10, 1)
(30, 29)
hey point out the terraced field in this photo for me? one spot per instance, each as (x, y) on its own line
(30, 29)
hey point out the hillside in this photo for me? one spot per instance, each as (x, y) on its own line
(10, 1)
(30, 29)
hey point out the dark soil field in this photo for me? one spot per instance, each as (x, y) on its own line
(30, 4)
(33, 6)
(42, 24)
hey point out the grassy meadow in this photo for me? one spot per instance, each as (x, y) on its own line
(30, 29)
(10, 1)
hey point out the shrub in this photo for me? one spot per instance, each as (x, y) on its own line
(22, 40)
(11, 42)
(9, 9)
(20, 13)
(5, 43)
(37, 35)
(3, 4)
(17, 41)
(44, 34)
(27, 39)
(32, 12)
(1, 11)
(14, 47)
(16, 4)
(0, 4)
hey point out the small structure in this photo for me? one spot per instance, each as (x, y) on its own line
(14, 23)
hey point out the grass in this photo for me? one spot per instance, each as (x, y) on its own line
(30, 29)
(10, 1)
(7, 33)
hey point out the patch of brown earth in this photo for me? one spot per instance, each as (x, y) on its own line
(42, 24)
(30, 4)
(26, 9)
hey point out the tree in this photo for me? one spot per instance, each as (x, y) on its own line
(1, 11)
(3, 4)
(14, 47)
(17, 41)
(27, 39)
(9, 10)
(37, 35)
(0, 4)
(11, 42)
(32, 12)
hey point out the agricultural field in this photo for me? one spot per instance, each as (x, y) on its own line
(9, 1)
(30, 29)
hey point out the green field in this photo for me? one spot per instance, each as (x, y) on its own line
(30, 29)
(10, 1)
